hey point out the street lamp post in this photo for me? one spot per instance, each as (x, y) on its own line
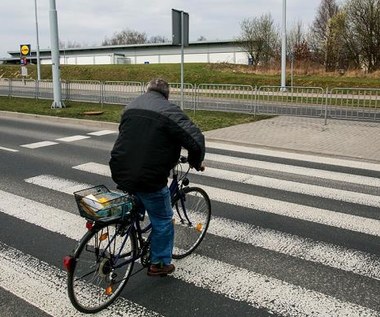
(57, 103)
(38, 43)
(283, 49)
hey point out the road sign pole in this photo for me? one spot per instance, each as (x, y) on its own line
(182, 56)
(38, 44)
(180, 34)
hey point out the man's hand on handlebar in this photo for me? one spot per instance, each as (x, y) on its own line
(201, 168)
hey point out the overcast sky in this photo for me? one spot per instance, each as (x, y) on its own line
(90, 21)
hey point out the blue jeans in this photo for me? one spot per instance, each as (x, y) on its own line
(158, 206)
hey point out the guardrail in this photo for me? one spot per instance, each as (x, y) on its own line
(337, 103)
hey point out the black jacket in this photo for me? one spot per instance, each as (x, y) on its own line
(151, 133)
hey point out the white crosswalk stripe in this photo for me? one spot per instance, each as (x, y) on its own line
(102, 132)
(219, 277)
(225, 279)
(37, 145)
(295, 156)
(304, 171)
(73, 138)
(44, 286)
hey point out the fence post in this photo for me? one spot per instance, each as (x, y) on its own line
(255, 101)
(10, 87)
(101, 93)
(37, 90)
(326, 103)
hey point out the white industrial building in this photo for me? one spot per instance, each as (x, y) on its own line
(197, 52)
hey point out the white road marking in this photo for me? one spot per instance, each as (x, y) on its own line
(44, 286)
(327, 254)
(296, 211)
(263, 291)
(38, 144)
(102, 132)
(95, 168)
(307, 249)
(279, 207)
(298, 170)
(7, 149)
(313, 190)
(73, 138)
(294, 187)
(295, 156)
(221, 278)
(57, 183)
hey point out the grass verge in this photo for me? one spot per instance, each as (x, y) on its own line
(206, 120)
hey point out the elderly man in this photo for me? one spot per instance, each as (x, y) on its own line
(152, 132)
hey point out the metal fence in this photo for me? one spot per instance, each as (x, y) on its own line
(234, 98)
(337, 103)
(188, 95)
(354, 104)
(296, 101)
(121, 92)
(44, 89)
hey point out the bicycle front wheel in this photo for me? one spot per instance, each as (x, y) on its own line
(192, 214)
(101, 266)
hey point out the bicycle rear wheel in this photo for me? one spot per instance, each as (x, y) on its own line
(101, 266)
(192, 214)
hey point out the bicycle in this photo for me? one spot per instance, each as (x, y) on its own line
(103, 260)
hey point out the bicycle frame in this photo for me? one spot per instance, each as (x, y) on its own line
(175, 189)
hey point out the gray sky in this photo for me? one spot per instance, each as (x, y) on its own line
(90, 21)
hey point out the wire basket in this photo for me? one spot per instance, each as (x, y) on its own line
(100, 204)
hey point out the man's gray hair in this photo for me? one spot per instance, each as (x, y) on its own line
(160, 86)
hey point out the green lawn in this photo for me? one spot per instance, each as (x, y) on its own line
(196, 73)
(206, 120)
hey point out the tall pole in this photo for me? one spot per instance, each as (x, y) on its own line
(182, 55)
(57, 103)
(38, 43)
(283, 49)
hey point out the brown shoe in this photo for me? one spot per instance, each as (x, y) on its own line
(160, 270)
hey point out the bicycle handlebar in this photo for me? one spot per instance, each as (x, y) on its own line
(183, 159)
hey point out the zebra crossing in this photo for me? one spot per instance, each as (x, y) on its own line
(289, 193)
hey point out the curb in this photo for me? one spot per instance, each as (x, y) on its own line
(63, 120)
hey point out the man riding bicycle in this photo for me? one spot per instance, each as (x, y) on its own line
(152, 132)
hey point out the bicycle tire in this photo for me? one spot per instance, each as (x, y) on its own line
(94, 281)
(189, 231)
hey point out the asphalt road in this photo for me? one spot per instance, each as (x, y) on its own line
(288, 237)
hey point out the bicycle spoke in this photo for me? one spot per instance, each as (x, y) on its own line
(99, 274)
(191, 219)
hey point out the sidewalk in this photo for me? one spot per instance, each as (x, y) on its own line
(339, 138)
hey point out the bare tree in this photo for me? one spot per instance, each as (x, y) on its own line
(337, 54)
(70, 44)
(259, 38)
(363, 24)
(320, 30)
(126, 37)
(295, 36)
(158, 39)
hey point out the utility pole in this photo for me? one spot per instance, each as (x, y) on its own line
(283, 49)
(57, 103)
(38, 43)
